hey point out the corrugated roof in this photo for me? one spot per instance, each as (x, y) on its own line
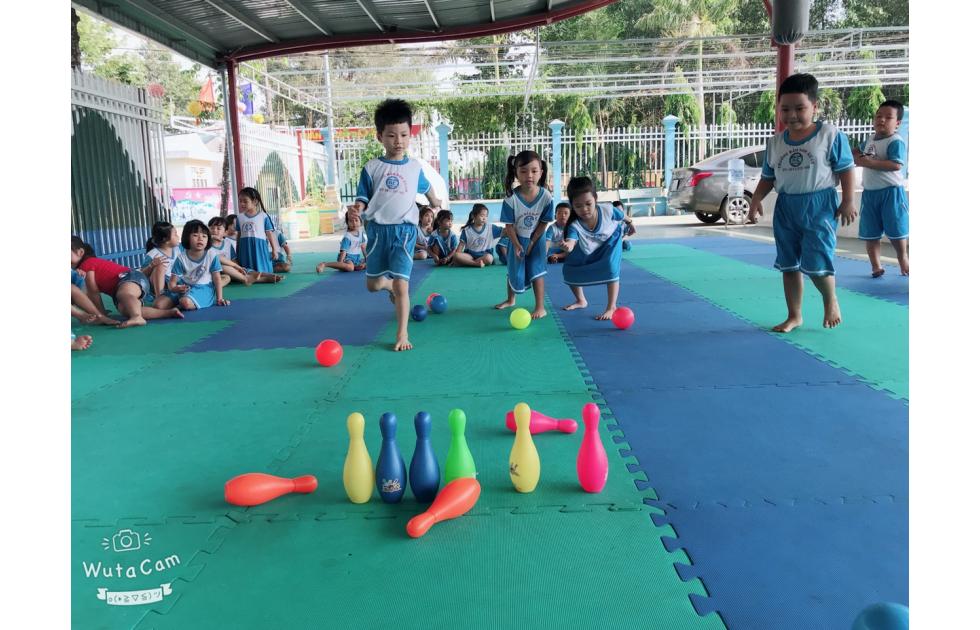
(209, 31)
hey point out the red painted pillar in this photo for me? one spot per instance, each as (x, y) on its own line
(302, 171)
(231, 108)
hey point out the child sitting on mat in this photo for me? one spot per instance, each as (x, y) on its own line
(162, 246)
(555, 233)
(352, 247)
(476, 239)
(593, 240)
(284, 263)
(426, 219)
(442, 242)
(196, 277)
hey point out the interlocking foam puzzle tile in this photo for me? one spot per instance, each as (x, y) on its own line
(160, 336)
(122, 570)
(291, 284)
(773, 442)
(810, 566)
(550, 570)
(98, 373)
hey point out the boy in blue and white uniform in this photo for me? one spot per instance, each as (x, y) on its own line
(804, 164)
(884, 202)
(284, 262)
(386, 198)
(555, 233)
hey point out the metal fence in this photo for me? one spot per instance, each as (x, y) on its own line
(118, 177)
(355, 147)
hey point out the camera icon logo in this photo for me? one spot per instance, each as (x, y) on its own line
(126, 540)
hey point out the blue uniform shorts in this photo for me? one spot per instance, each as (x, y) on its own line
(78, 279)
(805, 230)
(203, 295)
(534, 264)
(884, 211)
(390, 249)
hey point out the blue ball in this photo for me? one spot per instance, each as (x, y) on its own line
(883, 616)
(419, 313)
(439, 304)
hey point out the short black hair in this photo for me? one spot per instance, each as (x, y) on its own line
(230, 220)
(618, 203)
(216, 221)
(192, 227)
(564, 204)
(897, 106)
(800, 84)
(392, 112)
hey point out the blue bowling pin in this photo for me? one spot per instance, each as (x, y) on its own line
(390, 473)
(424, 473)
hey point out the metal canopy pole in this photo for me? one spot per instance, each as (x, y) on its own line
(232, 109)
(232, 170)
(333, 177)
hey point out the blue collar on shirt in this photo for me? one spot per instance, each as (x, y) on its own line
(517, 193)
(197, 260)
(387, 161)
(796, 143)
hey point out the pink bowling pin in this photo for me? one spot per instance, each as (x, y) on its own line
(256, 488)
(541, 423)
(592, 464)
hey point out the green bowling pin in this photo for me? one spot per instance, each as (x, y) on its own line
(459, 463)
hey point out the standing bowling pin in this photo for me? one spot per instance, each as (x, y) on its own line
(459, 462)
(592, 464)
(541, 423)
(423, 475)
(456, 499)
(256, 488)
(390, 472)
(525, 466)
(358, 469)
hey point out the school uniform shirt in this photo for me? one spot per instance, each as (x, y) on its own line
(555, 234)
(526, 216)
(353, 243)
(809, 165)
(226, 248)
(168, 261)
(196, 272)
(253, 247)
(480, 242)
(388, 187)
(597, 255)
(889, 148)
(447, 244)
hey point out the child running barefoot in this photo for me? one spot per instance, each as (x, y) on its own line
(197, 269)
(555, 233)
(593, 240)
(257, 245)
(426, 218)
(884, 203)
(352, 247)
(442, 242)
(804, 163)
(161, 247)
(126, 286)
(226, 253)
(477, 238)
(526, 214)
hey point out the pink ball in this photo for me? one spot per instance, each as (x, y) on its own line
(329, 353)
(622, 318)
(428, 300)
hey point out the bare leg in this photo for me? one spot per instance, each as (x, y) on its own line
(400, 288)
(612, 292)
(95, 297)
(465, 260)
(128, 303)
(793, 289)
(382, 283)
(487, 259)
(158, 280)
(339, 266)
(225, 280)
(81, 342)
(151, 312)
(831, 309)
(420, 254)
(902, 251)
(538, 285)
(82, 300)
(580, 301)
(187, 304)
(874, 255)
(282, 267)
(263, 277)
(510, 301)
(236, 275)
(163, 302)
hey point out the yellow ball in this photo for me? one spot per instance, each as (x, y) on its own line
(520, 318)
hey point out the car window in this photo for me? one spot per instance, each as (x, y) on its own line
(755, 159)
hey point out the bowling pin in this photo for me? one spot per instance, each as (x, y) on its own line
(541, 423)
(390, 473)
(358, 470)
(256, 488)
(525, 466)
(423, 474)
(456, 499)
(592, 464)
(459, 462)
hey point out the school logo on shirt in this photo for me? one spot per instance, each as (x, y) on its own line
(796, 160)
(248, 229)
(394, 182)
(529, 220)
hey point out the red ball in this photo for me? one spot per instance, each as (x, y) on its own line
(329, 353)
(622, 318)
(428, 300)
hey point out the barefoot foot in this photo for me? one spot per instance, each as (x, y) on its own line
(81, 342)
(574, 306)
(877, 273)
(538, 313)
(831, 315)
(320, 267)
(607, 314)
(134, 321)
(402, 343)
(504, 304)
(788, 325)
(905, 269)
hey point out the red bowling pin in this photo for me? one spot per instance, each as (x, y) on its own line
(592, 464)
(541, 423)
(457, 498)
(256, 488)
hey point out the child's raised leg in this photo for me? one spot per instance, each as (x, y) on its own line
(510, 301)
(793, 289)
(612, 293)
(580, 301)
(400, 288)
(874, 256)
(382, 283)
(831, 309)
(901, 246)
(538, 285)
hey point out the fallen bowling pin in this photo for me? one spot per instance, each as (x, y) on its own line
(592, 463)
(257, 488)
(541, 423)
(455, 499)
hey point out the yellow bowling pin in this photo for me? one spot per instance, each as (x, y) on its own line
(358, 469)
(525, 467)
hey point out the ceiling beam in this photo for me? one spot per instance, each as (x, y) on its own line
(432, 14)
(309, 15)
(181, 28)
(243, 19)
(364, 7)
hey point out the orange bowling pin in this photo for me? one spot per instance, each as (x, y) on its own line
(457, 498)
(256, 488)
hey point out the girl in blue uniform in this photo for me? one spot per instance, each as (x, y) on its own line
(163, 244)
(593, 239)
(476, 239)
(196, 276)
(525, 215)
(352, 247)
(442, 241)
(257, 245)
(555, 233)
(426, 219)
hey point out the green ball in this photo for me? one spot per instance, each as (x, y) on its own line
(520, 318)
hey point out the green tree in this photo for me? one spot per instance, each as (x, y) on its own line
(683, 104)
(863, 102)
(727, 115)
(831, 104)
(494, 172)
(765, 110)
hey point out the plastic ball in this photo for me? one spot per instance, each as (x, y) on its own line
(439, 304)
(622, 318)
(520, 318)
(428, 300)
(883, 616)
(419, 312)
(329, 353)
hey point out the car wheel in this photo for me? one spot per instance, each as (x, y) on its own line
(736, 211)
(704, 217)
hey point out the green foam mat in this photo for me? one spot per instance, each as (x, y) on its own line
(292, 283)
(548, 570)
(871, 343)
